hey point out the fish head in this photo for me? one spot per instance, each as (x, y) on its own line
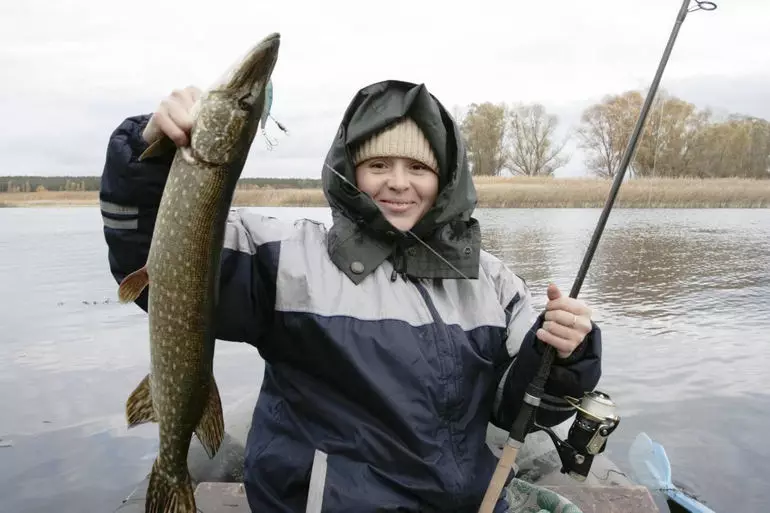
(227, 115)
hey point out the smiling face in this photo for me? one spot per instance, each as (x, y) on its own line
(403, 188)
(398, 169)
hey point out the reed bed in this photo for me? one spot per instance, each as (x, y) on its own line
(49, 198)
(497, 192)
(268, 197)
(534, 192)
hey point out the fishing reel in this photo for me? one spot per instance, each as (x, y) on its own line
(594, 422)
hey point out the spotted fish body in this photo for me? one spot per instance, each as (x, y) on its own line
(182, 271)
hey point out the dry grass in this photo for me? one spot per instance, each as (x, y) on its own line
(279, 197)
(49, 199)
(243, 197)
(495, 192)
(527, 192)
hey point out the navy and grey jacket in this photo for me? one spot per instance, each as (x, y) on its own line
(376, 355)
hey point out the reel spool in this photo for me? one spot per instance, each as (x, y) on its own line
(595, 421)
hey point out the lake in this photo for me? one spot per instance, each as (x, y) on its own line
(683, 297)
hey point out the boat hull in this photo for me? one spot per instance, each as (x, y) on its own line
(537, 463)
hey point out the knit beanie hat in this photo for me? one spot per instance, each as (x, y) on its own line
(402, 139)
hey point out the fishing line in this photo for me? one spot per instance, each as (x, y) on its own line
(658, 489)
(575, 464)
(532, 329)
(649, 196)
(410, 232)
(576, 455)
(607, 474)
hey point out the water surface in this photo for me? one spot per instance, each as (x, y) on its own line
(683, 297)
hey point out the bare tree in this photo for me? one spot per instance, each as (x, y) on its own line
(605, 129)
(678, 139)
(531, 148)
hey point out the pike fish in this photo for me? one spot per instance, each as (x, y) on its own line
(182, 271)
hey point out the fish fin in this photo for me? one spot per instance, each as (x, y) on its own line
(166, 496)
(133, 285)
(139, 405)
(211, 428)
(157, 148)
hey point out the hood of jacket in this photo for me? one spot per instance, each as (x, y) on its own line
(360, 238)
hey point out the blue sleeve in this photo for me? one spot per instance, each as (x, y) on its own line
(130, 195)
(572, 376)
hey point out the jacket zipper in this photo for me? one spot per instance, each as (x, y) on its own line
(447, 358)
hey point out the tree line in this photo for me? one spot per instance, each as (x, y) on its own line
(678, 139)
(92, 183)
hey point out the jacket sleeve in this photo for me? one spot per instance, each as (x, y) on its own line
(572, 376)
(130, 195)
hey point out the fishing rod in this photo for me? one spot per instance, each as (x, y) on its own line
(595, 419)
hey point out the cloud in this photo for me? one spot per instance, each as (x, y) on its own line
(73, 70)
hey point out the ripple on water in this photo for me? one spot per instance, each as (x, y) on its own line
(681, 296)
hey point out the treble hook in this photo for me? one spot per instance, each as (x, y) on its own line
(270, 143)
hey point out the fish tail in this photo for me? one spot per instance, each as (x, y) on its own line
(133, 285)
(167, 494)
(211, 428)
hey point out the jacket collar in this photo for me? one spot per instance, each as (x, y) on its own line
(357, 253)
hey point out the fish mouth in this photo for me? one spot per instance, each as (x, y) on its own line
(250, 76)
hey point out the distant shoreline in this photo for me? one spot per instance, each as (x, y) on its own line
(493, 192)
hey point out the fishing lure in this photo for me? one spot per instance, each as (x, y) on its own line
(271, 143)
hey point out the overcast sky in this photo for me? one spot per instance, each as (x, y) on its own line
(73, 70)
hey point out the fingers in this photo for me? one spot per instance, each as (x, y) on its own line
(569, 304)
(578, 323)
(565, 332)
(193, 92)
(174, 121)
(173, 117)
(567, 322)
(564, 347)
(563, 335)
(186, 97)
(553, 292)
